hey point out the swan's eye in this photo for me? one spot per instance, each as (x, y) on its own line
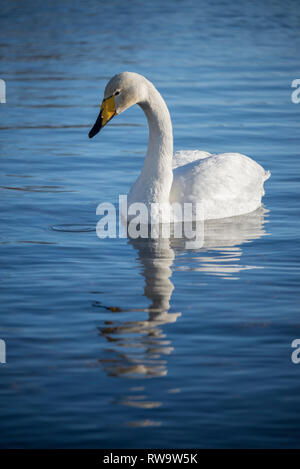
(117, 92)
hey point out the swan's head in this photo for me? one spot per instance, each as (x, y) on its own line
(121, 92)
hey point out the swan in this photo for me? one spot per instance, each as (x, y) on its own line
(226, 185)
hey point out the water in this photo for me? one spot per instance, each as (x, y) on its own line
(115, 343)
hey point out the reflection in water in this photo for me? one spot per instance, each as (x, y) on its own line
(140, 345)
(139, 348)
(221, 252)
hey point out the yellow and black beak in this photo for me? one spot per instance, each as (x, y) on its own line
(107, 112)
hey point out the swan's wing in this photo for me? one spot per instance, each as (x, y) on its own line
(228, 184)
(183, 157)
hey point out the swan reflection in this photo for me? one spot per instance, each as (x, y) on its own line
(221, 252)
(139, 348)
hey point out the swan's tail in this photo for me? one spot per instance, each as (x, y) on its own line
(267, 175)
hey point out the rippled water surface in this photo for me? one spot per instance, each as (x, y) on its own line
(118, 343)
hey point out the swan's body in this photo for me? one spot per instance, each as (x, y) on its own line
(225, 185)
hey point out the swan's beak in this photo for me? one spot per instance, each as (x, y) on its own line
(107, 112)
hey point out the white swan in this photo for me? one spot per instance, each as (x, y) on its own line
(226, 185)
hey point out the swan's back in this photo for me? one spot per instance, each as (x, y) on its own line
(183, 157)
(227, 184)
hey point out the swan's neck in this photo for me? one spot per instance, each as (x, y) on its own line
(155, 181)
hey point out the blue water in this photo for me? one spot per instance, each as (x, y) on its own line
(114, 343)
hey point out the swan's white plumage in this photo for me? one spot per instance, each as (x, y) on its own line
(183, 157)
(226, 185)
